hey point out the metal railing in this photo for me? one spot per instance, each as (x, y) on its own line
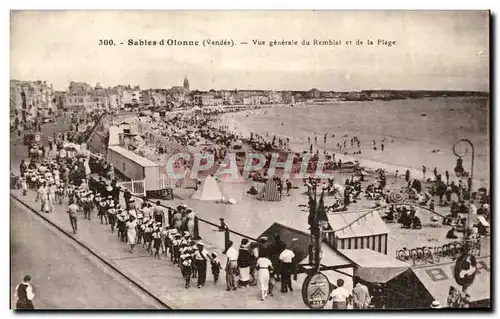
(135, 187)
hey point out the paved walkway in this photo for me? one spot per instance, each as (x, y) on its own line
(160, 277)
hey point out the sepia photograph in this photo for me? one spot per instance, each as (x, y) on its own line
(250, 160)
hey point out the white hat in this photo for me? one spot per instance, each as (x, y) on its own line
(435, 304)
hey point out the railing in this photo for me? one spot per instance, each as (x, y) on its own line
(167, 182)
(432, 255)
(135, 187)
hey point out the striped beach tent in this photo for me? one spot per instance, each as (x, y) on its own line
(270, 192)
(358, 230)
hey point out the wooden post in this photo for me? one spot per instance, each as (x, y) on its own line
(222, 224)
(196, 229)
(226, 239)
(170, 216)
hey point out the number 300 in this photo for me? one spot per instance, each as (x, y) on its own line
(106, 42)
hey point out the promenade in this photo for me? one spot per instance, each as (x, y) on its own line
(160, 277)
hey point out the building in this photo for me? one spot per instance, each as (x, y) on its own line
(314, 94)
(132, 97)
(275, 97)
(205, 99)
(30, 99)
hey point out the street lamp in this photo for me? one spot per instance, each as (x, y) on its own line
(465, 267)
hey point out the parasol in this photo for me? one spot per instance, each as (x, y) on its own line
(396, 198)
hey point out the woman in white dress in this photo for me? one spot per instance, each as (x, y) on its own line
(264, 266)
(132, 232)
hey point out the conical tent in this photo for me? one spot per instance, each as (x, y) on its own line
(209, 190)
(270, 192)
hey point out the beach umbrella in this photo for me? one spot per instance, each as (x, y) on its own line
(396, 198)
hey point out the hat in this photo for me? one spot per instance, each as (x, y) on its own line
(186, 233)
(111, 205)
(435, 304)
(109, 188)
(174, 231)
(110, 197)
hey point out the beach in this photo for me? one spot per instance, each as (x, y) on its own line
(410, 137)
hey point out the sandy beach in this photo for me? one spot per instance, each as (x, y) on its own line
(408, 143)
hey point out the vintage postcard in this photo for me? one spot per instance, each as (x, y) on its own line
(329, 160)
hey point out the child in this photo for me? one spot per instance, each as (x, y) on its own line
(102, 210)
(60, 193)
(272, 282)
(177, 246)
(216, 267)
(122, 227)
(111, 212)
(142, 232)
(157, 240)
(24, 186)
(166, 240)
(140, 229)
(186, 262)
(149, 236)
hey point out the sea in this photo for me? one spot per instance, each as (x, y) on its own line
(416, 132)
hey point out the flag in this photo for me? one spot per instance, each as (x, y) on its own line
(312, 221)
(321, 211)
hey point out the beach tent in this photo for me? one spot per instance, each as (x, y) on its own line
(270, 192)
(186, 181)
(374, 267)
(358, 230)
(209, 190)
(419, 286)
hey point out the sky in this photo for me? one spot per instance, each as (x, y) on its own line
(435, 50)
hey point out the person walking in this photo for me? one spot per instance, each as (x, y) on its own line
(243, 263)
(286, 269)
(24, 294)
(200, 262)
(231, 267)
(73, 210)
(132, 232)
(264, 266)
(339, 296)
(361, 295)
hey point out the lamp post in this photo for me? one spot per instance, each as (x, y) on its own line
(455, 146)
(465, 267)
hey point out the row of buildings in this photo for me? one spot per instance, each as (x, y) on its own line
(29, 99)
